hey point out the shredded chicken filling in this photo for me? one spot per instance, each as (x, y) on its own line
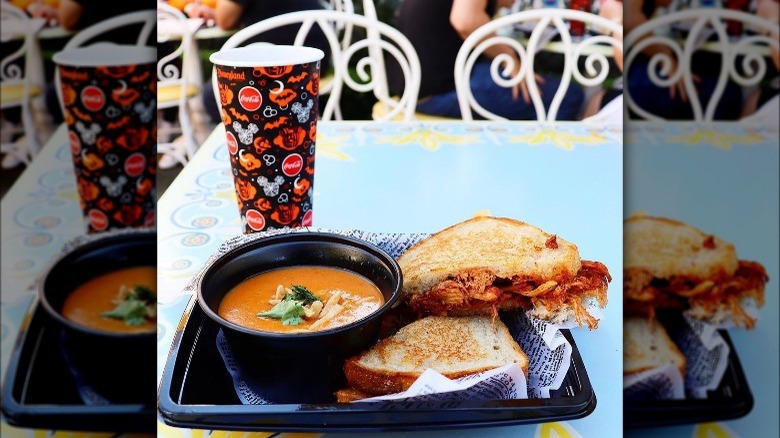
(644, 293)
(480, 291)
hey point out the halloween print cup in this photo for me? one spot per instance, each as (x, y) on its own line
(268, 100)
(108, 96)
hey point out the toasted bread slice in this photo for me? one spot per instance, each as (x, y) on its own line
(502, 246)
(666, 248)
(453, 346)
(672, 265)
(346, 395)
(484, 264)
(646, 346)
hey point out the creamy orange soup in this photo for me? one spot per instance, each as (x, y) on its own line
(345, 296)
(86, 303)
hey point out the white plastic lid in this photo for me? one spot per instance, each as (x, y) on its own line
(106, 55)
(266, 55)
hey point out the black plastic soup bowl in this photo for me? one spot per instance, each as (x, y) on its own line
(305, 358)
(118, 366)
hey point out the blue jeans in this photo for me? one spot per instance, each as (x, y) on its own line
(498, 99)
(656, 100)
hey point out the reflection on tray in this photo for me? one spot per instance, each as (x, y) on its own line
(42, 391)
(197, 391)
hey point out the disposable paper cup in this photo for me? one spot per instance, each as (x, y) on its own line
(268, 99)
(109, 101)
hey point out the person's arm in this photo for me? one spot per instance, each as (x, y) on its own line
(612, 10)
(770, 10)
(228, 14)
(633, 17)
(69, 13)
(466, 16)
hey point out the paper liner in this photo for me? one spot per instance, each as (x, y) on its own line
(548, 351)
(662, 383)
(706, 356)
(87, 393)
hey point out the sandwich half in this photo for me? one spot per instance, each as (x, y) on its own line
(647, 346)
(486, 264)
(671, 265)
(452, 346)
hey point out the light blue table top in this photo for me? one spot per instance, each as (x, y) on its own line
(400, 177)
(722, 179)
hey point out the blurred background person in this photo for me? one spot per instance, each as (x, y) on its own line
(765, 102)
(673, 102)
(436, 29)
(610, 101)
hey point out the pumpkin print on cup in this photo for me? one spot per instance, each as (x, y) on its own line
(111, 123)
(270, 116)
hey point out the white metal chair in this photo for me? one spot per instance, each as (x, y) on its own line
(92, 34)
(147, 17)
(344, 28)
(388, 40)
(175, 87)
(17, 84)
(596, 63)
(751, 48)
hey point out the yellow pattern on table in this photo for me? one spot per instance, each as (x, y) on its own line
(331, 147)
(560, 429)
(722, 140)
(8, 431)
(428, 139)
(713, 430)
(563, 140)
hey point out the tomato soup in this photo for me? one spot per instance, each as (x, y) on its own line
(88, 303)
(342, 297)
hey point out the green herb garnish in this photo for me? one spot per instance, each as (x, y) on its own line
(302, 294)
(290, 309)
(134, 307)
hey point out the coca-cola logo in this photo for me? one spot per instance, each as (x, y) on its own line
(292, 165)
(97, 219)
(307, 219)
(255, 220)
(135, 164)
(75, 143)
(250, 98)
(93, 98)
(232, 143)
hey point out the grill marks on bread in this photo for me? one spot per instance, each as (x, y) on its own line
(453, 346)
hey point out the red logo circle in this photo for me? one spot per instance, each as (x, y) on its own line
(292, 165)
(249, 98)
(97, 219)
(307, 219)
(75, 143)
(232, 143)
(255, 220)
(135, 164)
(93, 98)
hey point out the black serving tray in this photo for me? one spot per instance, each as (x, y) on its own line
(732, 399)
(197, 392)
(41, 392)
